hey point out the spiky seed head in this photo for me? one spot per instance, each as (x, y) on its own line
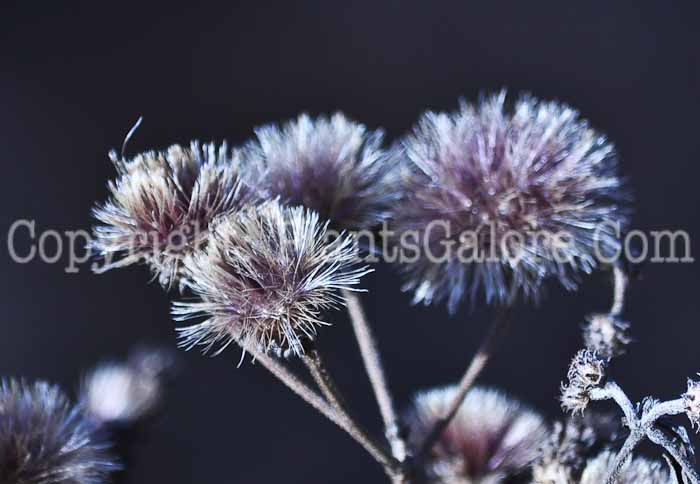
(162, 203)
(518, 195)
(570, 444)
(635, 471)
(121, 393)
(265, 279)
(587, 371)
(331, 165)
(606, 334)
(492, 437)
(44, 439)
(691, 398)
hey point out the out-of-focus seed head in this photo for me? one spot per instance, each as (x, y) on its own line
(44, 439)
(636, 471)
(571, 444)
(691, 398)
(607, 335)
(491, 438)
(162, 203)
(123, 393)
(521, 195)
(587, 371)
(333, 166)
(265, 279)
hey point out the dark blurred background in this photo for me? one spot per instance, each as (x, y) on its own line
(74, 76)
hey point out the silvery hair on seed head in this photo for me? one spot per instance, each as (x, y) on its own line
(491, 438)
(331, 165)
(500, 178)
(44, 439)
(162, 203)
(265, 279)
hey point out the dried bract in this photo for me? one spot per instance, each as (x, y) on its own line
(265, 278)
(587, 371)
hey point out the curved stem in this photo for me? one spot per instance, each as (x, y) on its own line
(612, 390)
(375, 372)
(634, 438)
(620, 281)
(313, 399)
(478, 363)
(659, 438)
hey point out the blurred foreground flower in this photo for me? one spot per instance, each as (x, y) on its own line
(44, 439)
(490, 439)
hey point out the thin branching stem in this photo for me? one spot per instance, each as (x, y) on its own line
(476, 366)
(634, 438)
(659, 438)
(314, 363)
(612, 391)
(375, 372)
(316, 401)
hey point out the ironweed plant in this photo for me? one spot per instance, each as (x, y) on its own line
(265, 242)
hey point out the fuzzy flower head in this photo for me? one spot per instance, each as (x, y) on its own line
(691, 398)
(44, 439)
(490, 439)
(265, 279)
(333, 166)
(587, 371)
(125, 392)
(162, 203)
(505, 198)
(606, 334)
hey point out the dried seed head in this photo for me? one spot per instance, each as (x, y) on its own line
(587, 371)
(571, 444)
(526, 194)
(333, 166)
(607, 335)
(162, 203)
(636, 471)
(44, 439)
(265, 278)
(491, 438)
(123, 393)
(691, 398)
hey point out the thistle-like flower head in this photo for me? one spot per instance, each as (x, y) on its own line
(265, 278)
(490, 439)
(44, 439)
(691, 398)
(162, 203)
(523, 194)
(587, 371)
(606, 334)
(333, 166)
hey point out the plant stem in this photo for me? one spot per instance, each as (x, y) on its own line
(375, 372)
(659, 438)
(322, 377)
(612, 390)
(634, 438)
(620, 281)
(312, 398)
(478, 363)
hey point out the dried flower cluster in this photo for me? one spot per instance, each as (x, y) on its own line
(265, 278)
(333, 166)
(691, 398)
(587, 371)
(606, 334)
(45, 439)
(491, 438)
(162, 203)
(505, 178)
(636, 471)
